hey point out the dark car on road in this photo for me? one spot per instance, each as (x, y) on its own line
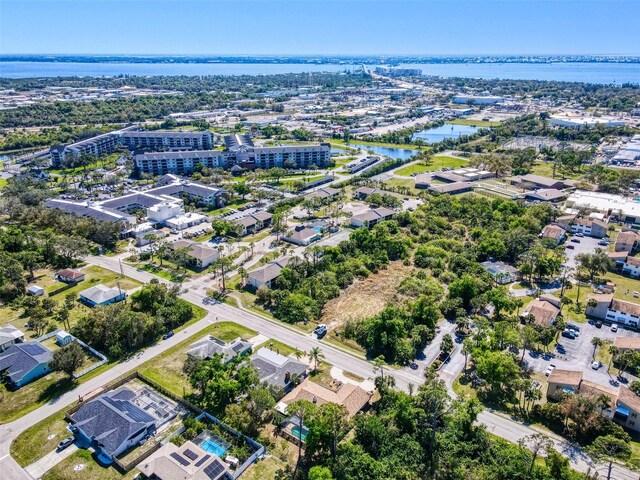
(169, 334)
(65, 443)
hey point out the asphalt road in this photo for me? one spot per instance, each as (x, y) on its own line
(500, 425)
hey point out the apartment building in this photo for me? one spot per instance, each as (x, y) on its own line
(133, 138)
(143, 139)
(182, 163)
(585, 225)
(292, 156)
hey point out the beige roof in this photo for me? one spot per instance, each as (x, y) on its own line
(601, 297)
(352, 397)
(553, 231)
(196, 250)
(589, 389)
(630, 399)
(628, 343)
(627, 237)
(565, 377)
(615, 255)
(544, 313)
(625, 307)
(633, 261)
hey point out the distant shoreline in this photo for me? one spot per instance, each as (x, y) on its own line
(322, 60)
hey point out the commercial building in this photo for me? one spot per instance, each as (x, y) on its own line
(477, 99)
(580, 122)
(618, 207)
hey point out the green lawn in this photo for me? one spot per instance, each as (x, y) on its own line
(35, 443)
(546, 170)
(625, 286)
(474, 123)
(166, 369)
(438, 162)
(91, 469)
(401, 182)
(94, 275)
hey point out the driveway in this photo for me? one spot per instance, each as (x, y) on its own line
(586, 245)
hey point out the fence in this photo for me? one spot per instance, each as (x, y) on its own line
(61, 289)
(103, 359)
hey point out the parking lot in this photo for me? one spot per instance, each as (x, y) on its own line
(576, 354)
(585, 245)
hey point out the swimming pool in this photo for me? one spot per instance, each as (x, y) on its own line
(212, 447)
(301, 435)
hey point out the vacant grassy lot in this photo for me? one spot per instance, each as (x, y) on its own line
(403, 182)
(166, 369)
(474, 123)
(546, 169)
(365, 298)
(437, 162)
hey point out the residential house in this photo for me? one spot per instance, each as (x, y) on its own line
(554, 232)
(113, 423)
(69, 275)
(267, 274)
(598, 305)
(623, 312)
(627, 241)
(208, 346)
(303, 237)
(277, 370)
(544, 310)
(631, 267)
(22, 363)
(10, 335)
(592, 227)
(627, 412)
(323, 194)
(372, 217)
(100, 295)
(363, 192)
(563, 382)
(253, 222)
(186, 462)
(198, 256)
(627, 343)
(352, 397)
(502, 273)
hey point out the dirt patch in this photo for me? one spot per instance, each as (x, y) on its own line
(367, 297)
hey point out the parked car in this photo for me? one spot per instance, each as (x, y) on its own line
(579, 234)
(599, 324)
(596, 365)
(320, 330)
(575, 240)
(65, 443)
(549, 370)
(573, 326)
(169, 334)
(603, 243)
(614, 327)
(567, 333)
(571, 247)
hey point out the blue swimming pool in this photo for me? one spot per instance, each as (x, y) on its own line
(212, 447)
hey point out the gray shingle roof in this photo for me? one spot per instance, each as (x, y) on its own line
(112, 418)
(100, 293)
(273, 367)
(20, 359)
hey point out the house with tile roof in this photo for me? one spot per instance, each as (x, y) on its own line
(352, 397)
(22, 363)
(543, 311)
(627, 241)
(554, 232)
(185, 462)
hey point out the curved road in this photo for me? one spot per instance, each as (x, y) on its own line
(195, 292)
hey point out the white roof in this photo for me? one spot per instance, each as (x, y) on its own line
(604, 202)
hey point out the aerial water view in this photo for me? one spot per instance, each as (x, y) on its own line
(320, 240)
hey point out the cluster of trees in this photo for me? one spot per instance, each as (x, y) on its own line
(18, 139)
(384, 200)
(122, 328)
(419, 435)
(301, 290)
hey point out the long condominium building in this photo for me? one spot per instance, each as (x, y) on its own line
(183, 163)
(133, 138)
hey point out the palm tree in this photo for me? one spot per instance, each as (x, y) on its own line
(614, 351)
(596, 342)
(298, 354)
(316, 355)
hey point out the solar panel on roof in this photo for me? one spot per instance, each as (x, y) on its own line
(33, 349)
(214, 470)
(202, 460)
(190, 454)
(180, 459)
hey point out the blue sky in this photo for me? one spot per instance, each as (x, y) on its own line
(321, 27)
